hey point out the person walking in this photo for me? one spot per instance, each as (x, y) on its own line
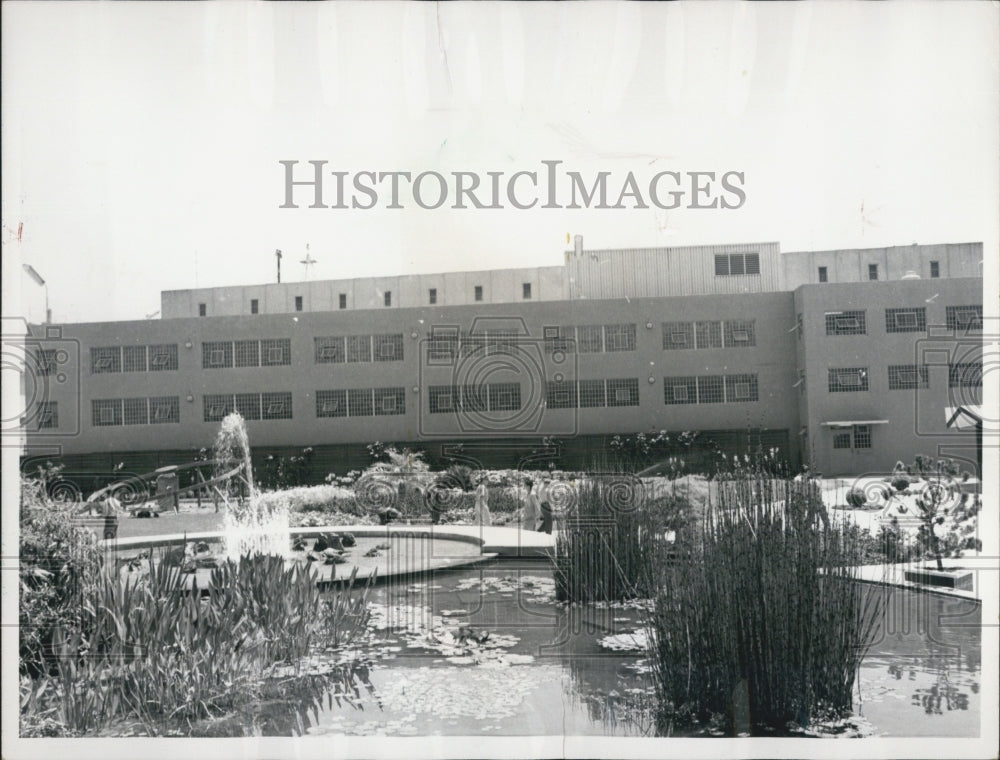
(532, 506)
(545, 508)
(481, 513)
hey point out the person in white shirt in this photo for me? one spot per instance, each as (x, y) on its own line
(532, 507)
(481, 513)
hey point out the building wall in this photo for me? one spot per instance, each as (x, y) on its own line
(530, 366)
(915, 418)
(681, 271)
(954, 260)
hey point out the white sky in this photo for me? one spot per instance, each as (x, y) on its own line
(141, 141)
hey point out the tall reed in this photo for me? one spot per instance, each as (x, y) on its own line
(613, 539)
(764, 614)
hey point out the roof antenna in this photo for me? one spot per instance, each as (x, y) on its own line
(277, 255)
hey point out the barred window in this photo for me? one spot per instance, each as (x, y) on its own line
(907, 377)
(560, 395)
(217, 406)
(935, 270)
(910, 319)
(478, 292)
(968, 318)
(359, 348)
(248, 405)
(589, 339)
(841, 440)
(504, 397)
(246, 353)
(136, 411)
(740, 333)
(276, 405)
(708, 335)
(846, 323)
(821, 274)
(591, 393)
(164, 409)
(432, 296)
(442, 398)
(359, 402)
(680, 390)
(862, 436)
(526, 290)
(133, 358)
(847, 379)
(163, 356)
(48, 415)
(390, 401)
(47, 359)
(623, 392)
(342, 300)
(619, 337)
(475, 398)
(711, 389)
(254, 306)
(965, 375)
(873, 271)
(389, 348)
(216, 355)
(276, 352)
(678, 335)
(741, 388)
(106, 412)
(559, 339)
(473, 344)
(329, 349)
(331, 403)
(442, 348)
(107, 359)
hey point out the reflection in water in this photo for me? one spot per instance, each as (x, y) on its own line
(488, 651)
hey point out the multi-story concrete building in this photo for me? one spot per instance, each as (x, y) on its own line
(843, 360)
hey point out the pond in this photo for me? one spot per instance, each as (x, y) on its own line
(487, 651)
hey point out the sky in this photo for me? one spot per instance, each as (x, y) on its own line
(141, 141)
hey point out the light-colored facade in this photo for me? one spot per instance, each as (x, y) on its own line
(734, 341)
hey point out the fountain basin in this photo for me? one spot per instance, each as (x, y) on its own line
(407, 550)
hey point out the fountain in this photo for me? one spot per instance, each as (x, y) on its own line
(249, 526)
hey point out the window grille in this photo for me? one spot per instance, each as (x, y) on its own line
(165, 409)
(136, 411)
(248, 405)
(359, 348)
(846, 323)
(965, 375)
(680, 390)
(708, 335)
(905, 320)
(740, 333)
(623, 392)
(246, 353)
(591, 393)
(619, 337)
(105, 360)
(329, 350)
(133, 358)
(560, 395)
(163, 357)
(276, 405)
(711, 389)
(967, 318)
(360, 403)
(847, 379)
(390, 401)
(276, 352)
(907, 377)
(331, 403)
(106, 412)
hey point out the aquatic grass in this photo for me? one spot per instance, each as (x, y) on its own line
(613, 539)
(157, 649)
(762, 620)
